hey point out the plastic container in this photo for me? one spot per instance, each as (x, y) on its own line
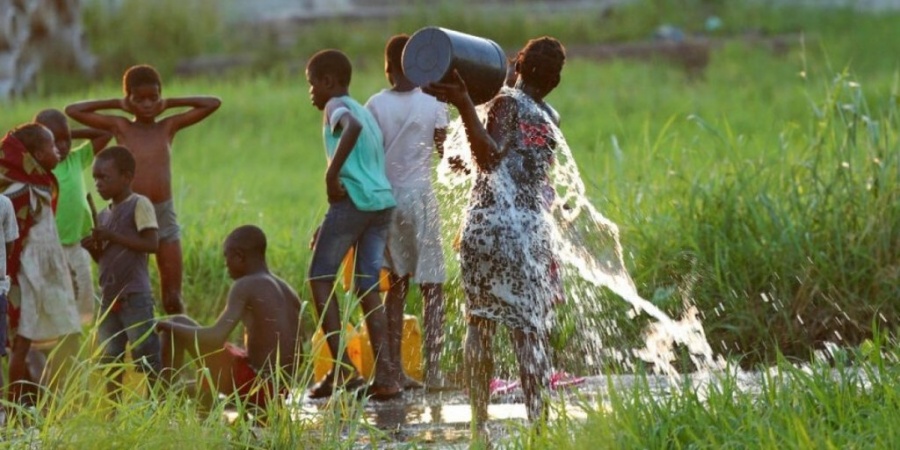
(432, 54)
(359, 349)
(347, 278)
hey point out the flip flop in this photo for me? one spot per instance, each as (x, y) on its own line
(562, 380)
(501, 387)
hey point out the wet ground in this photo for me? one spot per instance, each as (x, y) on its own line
(441, 420)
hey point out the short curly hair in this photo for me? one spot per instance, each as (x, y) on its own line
(140, 75)
(120, 156)
(541, 59)
(331, 62)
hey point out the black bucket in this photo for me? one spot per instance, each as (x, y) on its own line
(432, 53)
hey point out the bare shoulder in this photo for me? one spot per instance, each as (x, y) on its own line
(263, 286)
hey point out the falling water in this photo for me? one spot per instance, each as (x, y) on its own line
(587, 245)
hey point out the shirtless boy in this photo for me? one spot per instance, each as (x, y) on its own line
(270, 311)
(150, 140)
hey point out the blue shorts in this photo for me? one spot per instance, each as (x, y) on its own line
(3, 325)
(130, 319)
(343, 227)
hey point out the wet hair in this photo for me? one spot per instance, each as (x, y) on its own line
(140, 75)
(51, 118)
(32, 135)
(393, 51)
(120, 156)
(541, 60)
(249, 238)
(331, 62)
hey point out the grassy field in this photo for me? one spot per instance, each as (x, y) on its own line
(766, 193)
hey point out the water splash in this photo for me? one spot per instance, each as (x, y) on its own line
(587, 246)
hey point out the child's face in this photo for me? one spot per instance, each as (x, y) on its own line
(319, 89)
(62, 138)
(234, 260)
(145, 101)
(47, 155)
(109, 181)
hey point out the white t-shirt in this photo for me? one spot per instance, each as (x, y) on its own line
(408, 120)
(9, 230)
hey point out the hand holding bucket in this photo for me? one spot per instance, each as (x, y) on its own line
(434, 54)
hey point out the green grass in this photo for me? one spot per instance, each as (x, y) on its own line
(766, 194)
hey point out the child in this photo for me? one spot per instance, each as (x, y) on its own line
(73, 218)
(9, 232)
(270, 311)
(412, 124)
(150, 141)
(359, 211)
(506, 255)
(41, 300)
(126, 233)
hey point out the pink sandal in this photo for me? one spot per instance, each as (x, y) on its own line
(562, 380)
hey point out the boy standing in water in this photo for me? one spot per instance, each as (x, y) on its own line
(150, 141)
(359, 212)
(121, 241)
(270, 311)
(413, 124)
(73, 216)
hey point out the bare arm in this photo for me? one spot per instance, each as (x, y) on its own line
(213, 336)
(351, 131)
(200, 108)
(86, 113)
(147, 240)
(99, 138)
(486, 147)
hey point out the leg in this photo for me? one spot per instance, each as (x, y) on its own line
(433, 297)
(136, 314)
(169, 262)
(326, 303)
(479, 369)
(395, 304)
(18, 369)
(534, 371)
(369, 261)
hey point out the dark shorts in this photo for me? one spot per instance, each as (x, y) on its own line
(167, 220)
(130, 319)
(343, 227)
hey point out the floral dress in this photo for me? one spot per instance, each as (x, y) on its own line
(505, 247)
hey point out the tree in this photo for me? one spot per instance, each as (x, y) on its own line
(36, 35)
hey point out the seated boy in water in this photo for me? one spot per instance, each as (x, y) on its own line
(268, 308)
(150, 141)
(359, 212)
(121, 241)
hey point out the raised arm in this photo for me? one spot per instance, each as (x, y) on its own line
(200, 108)
(99, 138)
(86, 113)
(486, 146)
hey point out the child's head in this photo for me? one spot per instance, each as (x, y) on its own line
(56, 122)
(38, 140)
(393, 57)
(245, 249)
(143, 92)
(113, 172)
(540, 62)
(328, 73)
